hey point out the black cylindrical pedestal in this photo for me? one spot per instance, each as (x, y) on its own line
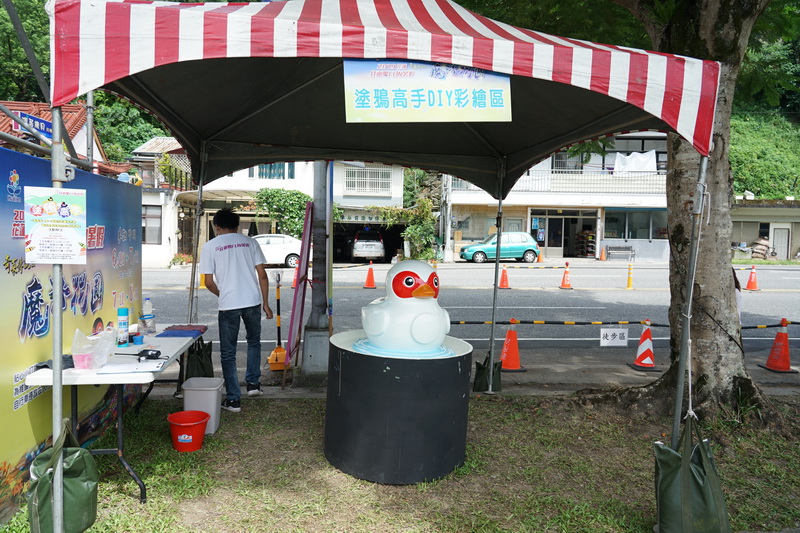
(396, 421)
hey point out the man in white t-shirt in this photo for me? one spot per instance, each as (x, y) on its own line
(233, 268)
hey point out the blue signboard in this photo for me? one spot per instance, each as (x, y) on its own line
(39, 124)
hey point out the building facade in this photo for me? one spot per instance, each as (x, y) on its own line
(574, 208)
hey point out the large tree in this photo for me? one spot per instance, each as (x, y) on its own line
(717, 30)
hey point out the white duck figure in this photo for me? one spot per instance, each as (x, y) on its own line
(408, 319)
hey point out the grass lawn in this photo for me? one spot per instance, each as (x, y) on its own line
(533, 464)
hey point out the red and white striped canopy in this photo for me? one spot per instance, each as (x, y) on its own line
(128, 46)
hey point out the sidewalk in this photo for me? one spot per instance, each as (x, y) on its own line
(549, 371)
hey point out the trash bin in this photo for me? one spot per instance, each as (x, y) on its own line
(204, 394)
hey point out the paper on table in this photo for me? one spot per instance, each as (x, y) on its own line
(123, 368)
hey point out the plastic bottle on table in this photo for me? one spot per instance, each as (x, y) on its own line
(148, 317)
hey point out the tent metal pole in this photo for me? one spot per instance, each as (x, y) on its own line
(329, 243)
(694, 245)
(90, 128)
(496, 276)
(44, 150)
(58, 169)
(198, 215)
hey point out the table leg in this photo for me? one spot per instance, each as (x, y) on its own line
(119, 450)
(73, 392)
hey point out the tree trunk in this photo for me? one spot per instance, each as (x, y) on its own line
(717, 30)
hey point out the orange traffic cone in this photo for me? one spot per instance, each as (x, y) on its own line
(294, 281)
(565, 283)
(778, 360)
(504, 279)
(752, 284)
(603, 253)
(370, 283)
(510, 354)
(645, 360)
(540, 257)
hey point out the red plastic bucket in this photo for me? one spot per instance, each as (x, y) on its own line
(188, 429)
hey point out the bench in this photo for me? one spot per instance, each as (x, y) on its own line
(610, 250)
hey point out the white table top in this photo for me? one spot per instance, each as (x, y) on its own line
(172, 347)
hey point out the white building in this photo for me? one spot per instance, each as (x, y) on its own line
(169, 199)
(575, 208)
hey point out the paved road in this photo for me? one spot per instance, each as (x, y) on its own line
(557, 357)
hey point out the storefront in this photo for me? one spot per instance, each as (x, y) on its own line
(565, 232)
(643, 229)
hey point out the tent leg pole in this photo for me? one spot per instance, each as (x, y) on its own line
(694, 245)
(58, 168)
(198, 216)
(496, 281)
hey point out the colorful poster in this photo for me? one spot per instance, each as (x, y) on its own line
(386, 90)
(55, 226)
(91, 293)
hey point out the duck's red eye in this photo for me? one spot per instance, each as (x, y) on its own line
(408, 281)
(436, 282)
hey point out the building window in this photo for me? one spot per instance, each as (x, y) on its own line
(643, 225)
(251, 172)
(615, 225)
(563, 161)
(151, 224)
(660, 225)
(273, 171)
(639, 225)
(372, 180)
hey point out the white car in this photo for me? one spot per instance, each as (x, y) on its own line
(280, 249)
(368, 245)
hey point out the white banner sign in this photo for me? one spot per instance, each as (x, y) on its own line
(406, 91)
(55, 225)
(613, 337)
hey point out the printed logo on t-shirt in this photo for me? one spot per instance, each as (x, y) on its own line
(229, 246)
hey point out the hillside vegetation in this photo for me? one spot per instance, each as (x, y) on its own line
(765, 154)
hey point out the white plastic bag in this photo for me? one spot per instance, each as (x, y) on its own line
(92, 352)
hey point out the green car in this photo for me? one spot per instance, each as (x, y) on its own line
(517, 245)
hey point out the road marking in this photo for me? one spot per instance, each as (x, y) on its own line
(514, 307)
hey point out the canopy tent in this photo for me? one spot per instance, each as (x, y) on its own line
(241, 84)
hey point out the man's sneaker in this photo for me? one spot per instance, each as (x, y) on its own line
(254, 389)
(233, 406)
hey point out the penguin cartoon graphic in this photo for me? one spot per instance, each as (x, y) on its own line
(408, 319)
(63, 210)
(49, 206)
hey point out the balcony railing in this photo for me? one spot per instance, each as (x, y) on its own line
(576, 181)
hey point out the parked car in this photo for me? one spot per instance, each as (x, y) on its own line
(368, 245)
(517, 245)
(279, 249)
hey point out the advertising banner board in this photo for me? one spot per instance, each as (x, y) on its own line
(109, 277)
(386, 90)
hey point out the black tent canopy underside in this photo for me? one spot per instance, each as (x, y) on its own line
(258, 110)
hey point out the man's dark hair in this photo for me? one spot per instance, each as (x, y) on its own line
(225, 218)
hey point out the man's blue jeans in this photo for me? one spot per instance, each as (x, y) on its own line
(228, 335)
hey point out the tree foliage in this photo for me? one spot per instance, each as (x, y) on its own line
(17, 82)
(286, 207)
(418, 183)
(420, 222)
(765, 153)
(122, 126)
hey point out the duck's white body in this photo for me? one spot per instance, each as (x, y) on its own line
(408, 318)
